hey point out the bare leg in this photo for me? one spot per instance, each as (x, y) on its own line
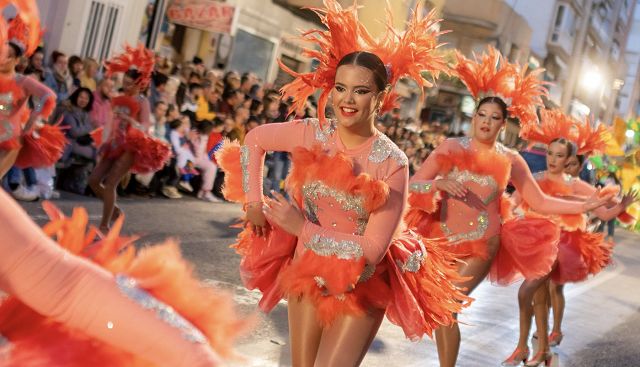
(347, 340)
(304, 332)
(119, 168)
(557, 302)
(98, 174)
(448, 338)
(7, 160)
(525, 303)
(541, 311)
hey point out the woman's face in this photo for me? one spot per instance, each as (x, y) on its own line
(11, 61)
(129, 86)
(487, 122)
(83, 100)
(557, 157)
(573, 166)
(355, 96)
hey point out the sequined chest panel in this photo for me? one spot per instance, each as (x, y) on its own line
(7, 130)
(332, 208)
(468, 219)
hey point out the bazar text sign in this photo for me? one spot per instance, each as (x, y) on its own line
(207, 15)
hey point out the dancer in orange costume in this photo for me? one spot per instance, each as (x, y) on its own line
(337, 250)
(123, 310)
(457, 193)
(580, 253)
(23, 141)
(125, 143)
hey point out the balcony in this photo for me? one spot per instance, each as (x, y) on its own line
(561, 42)
(599, 28)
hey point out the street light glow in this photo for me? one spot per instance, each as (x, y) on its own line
(592, 80)
(630, 134)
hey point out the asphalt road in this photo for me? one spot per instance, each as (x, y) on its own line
(602, 322)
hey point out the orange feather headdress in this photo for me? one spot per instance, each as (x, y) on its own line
(137, 58)
(556, 125)
(405, 54)
(24, 30)
(490, 75)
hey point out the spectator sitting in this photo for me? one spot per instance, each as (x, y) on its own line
(241, 117)
(159, 121)
(181, 147)
(252, 123)
(204, 162)
(88, 76)
(57, 78)
(231, 99)
(102, 113)
(79, 125)
(207, 103)
(191, 100)
(36, 65)
(157, 88)
(76, 68)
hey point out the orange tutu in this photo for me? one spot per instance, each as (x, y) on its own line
(42, 147)
(262, 261)
(150, 154)
(580, 254)
(423, 291)
(528, 249)
(160, 271)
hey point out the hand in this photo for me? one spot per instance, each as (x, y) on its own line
(595, 201)
(282, 213)
(256, 220)
(629, 198)
(452, 187)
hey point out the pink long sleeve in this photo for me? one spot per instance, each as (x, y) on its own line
(531, 193)
(281, 137)
(43, 97)
(83, 296)
(381, 226)
(604, 213)
(145, 114)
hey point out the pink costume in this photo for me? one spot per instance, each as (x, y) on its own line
(350, 254)
(528, 245)
(66, 311)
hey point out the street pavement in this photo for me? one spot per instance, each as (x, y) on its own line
(602, 318)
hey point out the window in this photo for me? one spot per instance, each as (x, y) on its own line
(560, 16)
(100, 29)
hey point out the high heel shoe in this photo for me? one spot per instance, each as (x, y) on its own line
(540, 358)
(555, 338)
(517, 357)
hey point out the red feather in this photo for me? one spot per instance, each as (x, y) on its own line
(139, 58)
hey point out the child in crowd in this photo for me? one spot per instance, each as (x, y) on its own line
(182, 147)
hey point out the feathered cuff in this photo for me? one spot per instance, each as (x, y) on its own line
(424, 195)
(231, 161)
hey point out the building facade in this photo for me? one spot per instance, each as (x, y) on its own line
(629, 98)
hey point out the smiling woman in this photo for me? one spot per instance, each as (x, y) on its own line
(336, 249)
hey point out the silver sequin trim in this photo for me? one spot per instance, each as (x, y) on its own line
(465, 142)
(383, 148)
(482, 223)
(327, 246)
(165, 313)
(316, 189)
(367, 273)
(464, 176)
(244, 164)
(420, 187)
(7, 130)
(414, 261)
(322, 134)
(539, 175)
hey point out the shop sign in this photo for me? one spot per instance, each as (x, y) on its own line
(207, 15)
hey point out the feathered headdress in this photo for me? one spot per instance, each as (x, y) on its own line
(24, 29)
(555, 125)
(406, 54)
(139, 58)
(490, 75)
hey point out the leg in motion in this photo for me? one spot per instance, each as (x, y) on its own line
(120, 168)
(541, 312)
(557, 302)
(448, 338)
(347, 340)
(304, 332)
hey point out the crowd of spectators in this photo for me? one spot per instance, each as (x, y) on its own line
(193, 109)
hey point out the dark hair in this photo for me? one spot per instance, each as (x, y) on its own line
(581, 158)
(73, 98)
(133, 74)
(196, 60)
(73, 60)
(204, 127)
(174, 124)
(159, 79)
(253, 118)
(369, 61)
(17, 50)
(496, 100)
(571, 147)
(244, 77)
(193, 86)
(217, 121)
(55, 55)
(229, 93)
(158, 103)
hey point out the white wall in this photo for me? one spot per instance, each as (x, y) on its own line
(539, 14)
(629, 92)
